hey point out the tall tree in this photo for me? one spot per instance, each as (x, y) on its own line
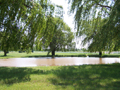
(88, 10)
(50, 25)
(62, 36)
(25, 17)
(92, 35)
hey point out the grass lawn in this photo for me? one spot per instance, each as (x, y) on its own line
(19, 55)
(57, 54)
(85, 77)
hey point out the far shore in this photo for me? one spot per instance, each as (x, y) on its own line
(57, 54)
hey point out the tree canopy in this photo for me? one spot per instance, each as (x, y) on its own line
(62, 36)
(22, 21)
(25, 23)
(99, 21)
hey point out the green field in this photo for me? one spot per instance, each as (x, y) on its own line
(57, 54)
(85, 77)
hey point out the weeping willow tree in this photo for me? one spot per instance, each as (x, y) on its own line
(21, 22)
(99, 21)
(37, 24)
(92, 35)
(61, 37)
(46, 35)
(57, 33)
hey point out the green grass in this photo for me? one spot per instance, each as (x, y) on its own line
(58, 54)
(85, 77)
(19, 55)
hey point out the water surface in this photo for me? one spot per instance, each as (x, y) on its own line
(58, 61)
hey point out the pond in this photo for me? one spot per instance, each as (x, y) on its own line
(58, 61)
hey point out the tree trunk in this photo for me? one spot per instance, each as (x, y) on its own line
(5, 53)
(53, 53)
(100, 53)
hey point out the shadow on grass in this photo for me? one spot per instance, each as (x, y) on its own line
(85, 77)
(88, 77)
(11, 75)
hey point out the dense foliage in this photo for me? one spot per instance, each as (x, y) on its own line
(99, 22)
(25, 23)
(61, 38)
(21, 21)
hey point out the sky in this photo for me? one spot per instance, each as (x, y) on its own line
(69, 20)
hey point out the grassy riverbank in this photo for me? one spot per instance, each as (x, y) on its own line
(58, 54)
(85, 77)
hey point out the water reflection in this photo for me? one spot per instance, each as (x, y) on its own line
(64, 61)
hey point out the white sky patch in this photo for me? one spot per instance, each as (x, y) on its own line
(69, 20)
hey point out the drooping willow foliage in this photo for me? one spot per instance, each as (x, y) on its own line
(22, 22)
(25, 23)
(61, 38)
(99, 22)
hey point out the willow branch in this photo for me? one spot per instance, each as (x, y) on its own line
(104, 6)
(27, 6)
